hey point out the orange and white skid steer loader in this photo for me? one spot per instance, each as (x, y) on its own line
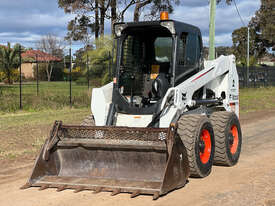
(167, 115)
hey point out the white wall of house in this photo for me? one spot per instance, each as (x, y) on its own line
(27, 70)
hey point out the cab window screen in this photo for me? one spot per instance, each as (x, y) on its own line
(191, 51)
(163, 49)
(133, 51)
(182, 49)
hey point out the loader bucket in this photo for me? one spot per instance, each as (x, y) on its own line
(116, 159)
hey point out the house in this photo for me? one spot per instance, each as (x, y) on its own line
(31, 57)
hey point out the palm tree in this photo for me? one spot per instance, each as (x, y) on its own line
(9, 60)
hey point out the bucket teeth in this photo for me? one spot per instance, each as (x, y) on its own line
(115, 192)
(79, 189)
(156, 196)
(97, 190)
(43, 187)
(135, 193)
(61, 188)
(25, 186)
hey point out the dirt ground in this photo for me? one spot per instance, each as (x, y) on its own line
(251, 182)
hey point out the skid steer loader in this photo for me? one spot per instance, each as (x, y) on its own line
(167, 115)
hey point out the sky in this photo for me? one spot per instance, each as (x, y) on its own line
(26, 21)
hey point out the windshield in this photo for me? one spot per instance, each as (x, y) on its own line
(163, 49)
(145, 56)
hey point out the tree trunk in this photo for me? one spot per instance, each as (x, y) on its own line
(48, 72)
(137, 11)
(113, 14)
(9, 76)
(51, 70)
(96, 20)
(8, 73)
(102, 18)
(139, 5)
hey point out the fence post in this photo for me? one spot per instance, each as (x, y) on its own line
(266, 80)
(20, 79)
(37, 88)
(244, 82)
(254, 77)
(110, 62)
(247, 76)
(87, 66)
(70, 77)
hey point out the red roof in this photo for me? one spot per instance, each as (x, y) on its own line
(41, 56)
(3, 46)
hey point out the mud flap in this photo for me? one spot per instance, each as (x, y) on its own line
(116, 159)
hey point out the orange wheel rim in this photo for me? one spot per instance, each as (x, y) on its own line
(234, 146)
(206, 153)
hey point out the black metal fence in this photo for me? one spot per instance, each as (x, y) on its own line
(258, 76)
(72, 81)
(70, 84)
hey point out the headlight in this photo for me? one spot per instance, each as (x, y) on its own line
(118, 29)
(169, 25)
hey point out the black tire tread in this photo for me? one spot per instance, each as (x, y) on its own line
(219, 121)
(187, 126)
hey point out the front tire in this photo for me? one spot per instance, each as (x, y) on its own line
(196, 133)
(228, 138)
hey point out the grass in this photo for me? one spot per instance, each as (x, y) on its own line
(257, 99)
(55, 96)
(52, 95)
(22, 132)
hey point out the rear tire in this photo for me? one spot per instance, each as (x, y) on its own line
(88, 121)
(228, 138)
(196, 133)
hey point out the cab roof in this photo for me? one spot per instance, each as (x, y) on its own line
(179, 27)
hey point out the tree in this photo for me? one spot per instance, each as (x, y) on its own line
(223, 50)
(139, 5)
(263, 23)
(239, 38)
(99, 58)
(80, 29)
(50, 45)
(158, 5)
(9, 58)
(91, 14)
(92, 11)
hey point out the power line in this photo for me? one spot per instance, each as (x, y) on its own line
(248, 46)
(239, 13)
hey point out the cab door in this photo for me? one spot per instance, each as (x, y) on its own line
(188, 56)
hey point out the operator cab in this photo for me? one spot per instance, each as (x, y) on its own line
(145, 63)
(151, 58)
